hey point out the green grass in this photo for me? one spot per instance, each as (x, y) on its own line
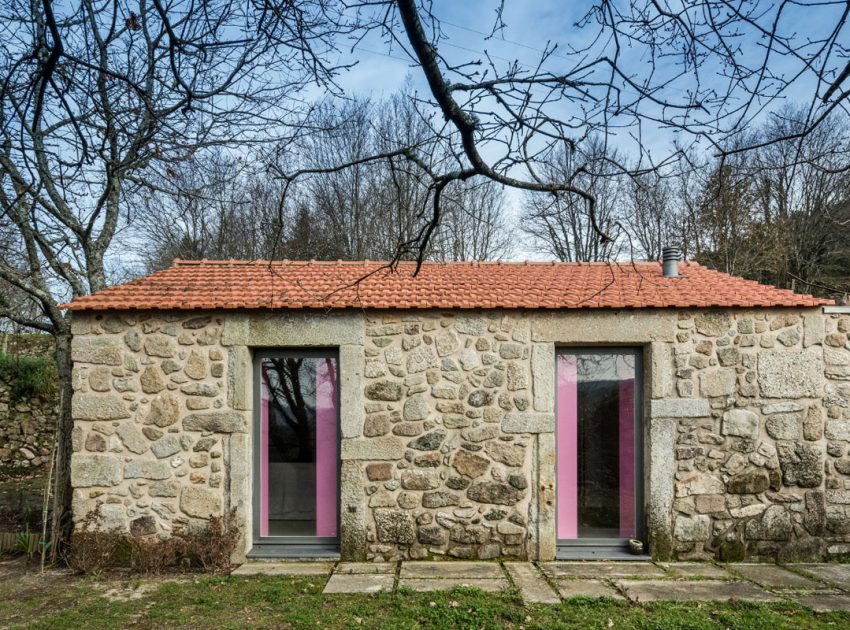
(58, 602)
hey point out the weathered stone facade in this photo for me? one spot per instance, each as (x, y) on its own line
(447, 424)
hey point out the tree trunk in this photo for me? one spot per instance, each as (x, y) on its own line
(62, 523)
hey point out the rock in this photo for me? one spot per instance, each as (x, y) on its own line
(480, 434)
(695, 528)
(95, 442)
(165, 410)
(457, 483)
(480, 398)
(100, 379)
(420, 359)
(439, 499)
(432, 535)
(143, 526)
(493, 492)
(415, 408)
(783, 426)
(204, 444)
(168, 488)
(518, 481)
(98, 407)
(838, 430)
(728, 356)
(446, 342)
(394, 526)
(516, 376)
(496, 378)
(742, 423)
(408, 429)
(510, 350)
(98, 350)
(147, 469)
(790, 374)
(197, 322)
(469, 464)
(419, 480)
(200, 502)
(801, 464)
(379, 472)
(408, 500)
(151, 433)
(196, 366)
(749, 482)
(712, 323)
(95, 470)
(428, 442)
(166, 447)
(133, 339)
(200, 389)
(160, 346)
(506, 453)
(152, 379)
(469, 359)
(217, 422)
(383, 390)
(376, 424)
(775, 524)
(718, 382)
(700, 484)
(429, 460)
(131, 438)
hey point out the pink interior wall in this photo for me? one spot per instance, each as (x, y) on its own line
(264, 453)
(627, 457)
(326, 448)
(567, 446)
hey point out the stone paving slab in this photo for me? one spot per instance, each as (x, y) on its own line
(365, 567)
(838, 574)
(602, 569)
(426, 585)
(701, 590)
(468, 570)
(772, 575)
(698, 570)
(531, 583)
(586, 588)
(359, 583)
(823, 601)
(284, 568)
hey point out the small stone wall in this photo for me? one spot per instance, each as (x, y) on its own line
(153, 418)
(26, 426)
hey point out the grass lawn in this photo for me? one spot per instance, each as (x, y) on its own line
(63, 601)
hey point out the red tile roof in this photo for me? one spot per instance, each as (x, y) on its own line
(233, 284)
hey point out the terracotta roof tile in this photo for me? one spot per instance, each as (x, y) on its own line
(294, 284)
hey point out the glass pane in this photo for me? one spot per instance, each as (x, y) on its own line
(298, 443)
(596, 437)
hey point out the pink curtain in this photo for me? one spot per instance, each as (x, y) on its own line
(326, 448)
(567, 446)
(264, 453)
(627, 457)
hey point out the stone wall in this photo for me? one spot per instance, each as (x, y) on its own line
(450, 397)
(154, 419)
(447, 425)
(763, 471)
(27, 425)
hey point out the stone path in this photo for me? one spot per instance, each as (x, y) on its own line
(822, 587)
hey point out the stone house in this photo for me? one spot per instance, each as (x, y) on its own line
(475, 410)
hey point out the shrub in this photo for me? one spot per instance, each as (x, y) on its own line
(153, 556)
(91, 550)
(27, 377)
(213, 548)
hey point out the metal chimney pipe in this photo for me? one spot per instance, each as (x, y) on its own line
(670, 257)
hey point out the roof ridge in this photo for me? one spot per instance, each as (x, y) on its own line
(181, 262)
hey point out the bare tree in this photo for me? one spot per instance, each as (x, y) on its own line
(703, 69)
(100, 101)
(559, 223)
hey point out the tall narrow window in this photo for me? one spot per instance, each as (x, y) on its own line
(598, 486)
(298, 446)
